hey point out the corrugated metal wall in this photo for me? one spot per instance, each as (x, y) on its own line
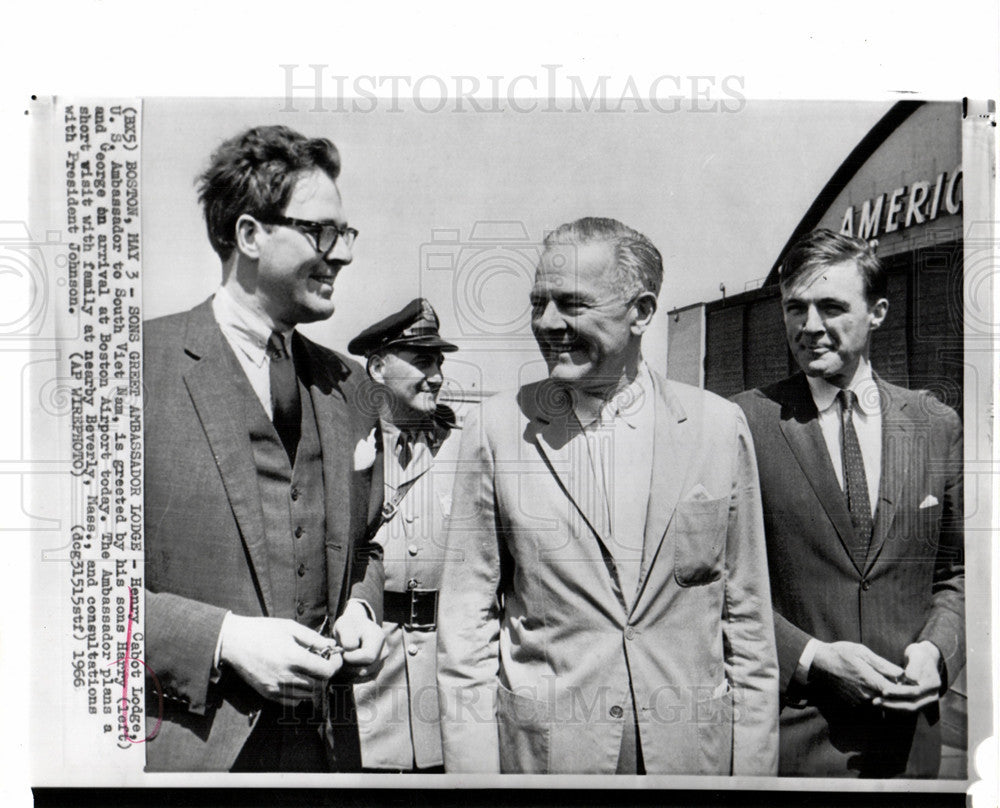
(918, 346)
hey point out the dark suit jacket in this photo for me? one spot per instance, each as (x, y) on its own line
(206, 550)
(911, 586)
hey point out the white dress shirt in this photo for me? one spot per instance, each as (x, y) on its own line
(619, 433)
(867, 419)
(247, 334)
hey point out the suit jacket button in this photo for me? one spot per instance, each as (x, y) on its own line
(629, 633)
(616, 712)
(299, 531)
(413, 549)
(301, 570)
(866, 585)
(412, 650)
(295, 494)
(300, 608)
(413, 583)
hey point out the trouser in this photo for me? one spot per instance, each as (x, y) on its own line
(285, 739)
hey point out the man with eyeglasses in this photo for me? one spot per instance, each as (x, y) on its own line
(255, 512)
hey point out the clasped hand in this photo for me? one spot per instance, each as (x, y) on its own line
(859, 675)
(285, 662)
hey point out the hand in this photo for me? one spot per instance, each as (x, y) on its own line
(360, 637)
(921, 682)
(853, 671)
(273, 656)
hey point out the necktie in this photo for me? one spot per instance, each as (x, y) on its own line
(405, 449)
(855, 482)
(286, 409)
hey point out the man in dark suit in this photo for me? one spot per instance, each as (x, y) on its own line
(255, 512)
(862, 490)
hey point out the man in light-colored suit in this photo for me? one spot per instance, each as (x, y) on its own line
(862, 489)
(605, 605)
(255, 517)
(398, 726)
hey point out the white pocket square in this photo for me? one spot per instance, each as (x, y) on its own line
(699, 492)
(929, 501)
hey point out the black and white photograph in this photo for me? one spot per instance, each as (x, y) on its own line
(521, 429)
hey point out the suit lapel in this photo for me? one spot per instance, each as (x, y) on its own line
(673, 448)
(333, 421)
(897, 449)
(800, 426)
(376, 492)
(210, 384)
(565, 451)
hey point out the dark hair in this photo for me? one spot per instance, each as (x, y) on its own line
(822, 248)
(640, 267)
(255, 173)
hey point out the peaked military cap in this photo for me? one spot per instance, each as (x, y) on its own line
(415, 326)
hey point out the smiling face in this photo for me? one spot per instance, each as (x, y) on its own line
(294, 282)
(414, 379)
(588, 333)
(829, 321)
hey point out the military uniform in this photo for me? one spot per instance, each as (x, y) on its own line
(398, 714)
(398, 717)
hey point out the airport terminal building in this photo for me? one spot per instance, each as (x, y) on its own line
(902, 186)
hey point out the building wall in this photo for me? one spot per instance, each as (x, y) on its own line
(926, 147)
(686, 345)
(920, 343)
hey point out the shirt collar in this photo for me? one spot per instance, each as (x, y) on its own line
(863, 384)
(247, 328)
(392, 433)
(626, 404)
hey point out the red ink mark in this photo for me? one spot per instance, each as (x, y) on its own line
(125, 665)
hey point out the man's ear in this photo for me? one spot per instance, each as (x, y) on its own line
(376, 368)
(645, 308)
(248, 234)
(878, 311)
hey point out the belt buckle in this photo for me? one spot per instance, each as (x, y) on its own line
(423, 601)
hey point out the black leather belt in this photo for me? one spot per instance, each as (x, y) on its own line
(415, 609)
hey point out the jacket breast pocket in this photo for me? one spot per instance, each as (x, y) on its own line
(699, 528)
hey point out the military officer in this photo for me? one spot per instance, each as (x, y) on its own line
(397, 713)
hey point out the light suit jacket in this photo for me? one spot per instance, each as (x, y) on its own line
(910, 587)
(537, 649)
(206, 550)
